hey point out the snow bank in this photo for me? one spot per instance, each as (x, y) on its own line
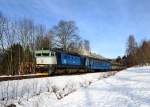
(128, 88)
(50, 89)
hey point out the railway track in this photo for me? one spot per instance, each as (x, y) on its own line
(20, 77)
(41, 75)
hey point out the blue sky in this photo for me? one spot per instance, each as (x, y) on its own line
(105, 23)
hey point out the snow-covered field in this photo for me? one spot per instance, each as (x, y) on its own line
(128, 88)
(27, 92)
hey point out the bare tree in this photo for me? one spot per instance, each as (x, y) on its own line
(144, 51)
(26, 38)
(83, 47)
(131, 45)
(10, 35)
(43, 43)
(7, 38)
(3, 21)
(44, 40)
(65, 33)
(25, 31)
(131, 51)
(50, 37)
(40, 32)
(75, 45)
(87, 45)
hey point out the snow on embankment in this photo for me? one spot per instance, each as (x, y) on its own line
(128, 88)
(51, 88)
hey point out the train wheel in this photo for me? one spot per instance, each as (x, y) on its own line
(50, 71)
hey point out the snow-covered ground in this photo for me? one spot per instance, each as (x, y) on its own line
(128, 88)
(52, 88)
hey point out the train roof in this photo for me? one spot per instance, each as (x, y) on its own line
(39, 51)
(72, 53)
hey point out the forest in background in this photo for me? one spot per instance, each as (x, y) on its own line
(136, 53)
(20, 38)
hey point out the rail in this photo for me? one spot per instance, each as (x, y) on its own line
(41, 75)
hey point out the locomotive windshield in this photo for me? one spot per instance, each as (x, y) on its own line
(38, 54)
(44, 53)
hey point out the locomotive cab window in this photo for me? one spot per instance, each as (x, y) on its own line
(45, 54)
(38, 54)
